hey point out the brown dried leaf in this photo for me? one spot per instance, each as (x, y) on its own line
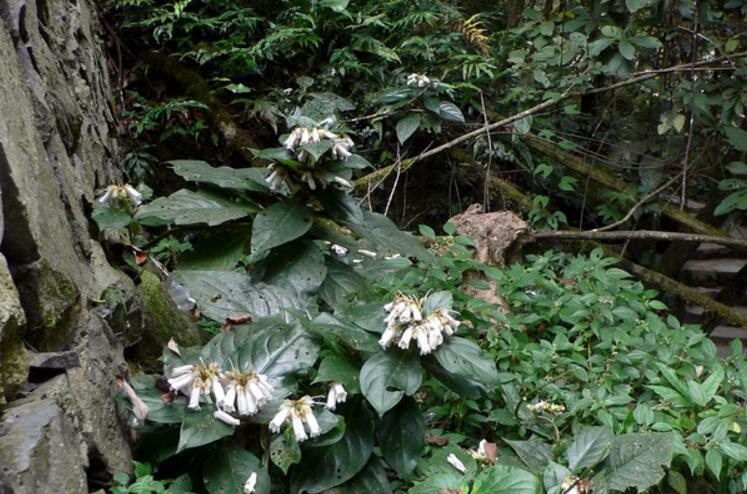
(140, 256)
(231, 321)
(491, 451)
(437, 440)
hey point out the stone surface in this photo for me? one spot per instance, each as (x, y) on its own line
(710, 272)
(61, 429)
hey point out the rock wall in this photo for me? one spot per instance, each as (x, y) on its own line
(61, 430)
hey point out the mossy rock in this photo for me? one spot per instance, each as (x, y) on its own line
(14, 360)
(162, 320)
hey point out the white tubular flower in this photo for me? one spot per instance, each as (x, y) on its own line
(336, 394)
(419, 80)
(421, 335)
(281, 417)
(339, 250)
(404, 341)
(392, 257)
(276, 177)
(389, 335)
(342, 182)
(203, 378)
(224, 417)
(135, 196)
(113, 194)
(298, 429)
(248, 391)
(311, 423)
(107, 195)
(456, 463)
(139, 408)
(194, 396)
(218, 393)
(251, 484)
(367, 253)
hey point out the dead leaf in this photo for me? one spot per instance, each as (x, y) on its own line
(450, 491)
(584, 486)
(437, 440)
(231, 321)
(491, 451)
(140, 256)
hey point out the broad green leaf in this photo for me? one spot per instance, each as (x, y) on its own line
(333, 330)
(546, 28)
(589, 447)
(636, 460)
(732, 202)
(284, 450)
(200, 428)
(734, 451)
(252, 179)
(185, 207)
(219, 251)
(281, 155)
(279, 224)
(371, 480)
(297, 267)
(341, 280)
(626, 49)
(554, 477)
(449, 111)
(111, 218)
(438, 482)
(278, 352)
(389, 375)
(714, 462)
(462, 357)
(407, 126)
(385, 237)
(502, 479)
(224, 294)
(635, 5)
(337, 369)
(401, 436)
(737, 138)
(737, 168)
(317, 149)
(334, 465)
(645, 42)
(438, 300)
(598, 46)
(534, 453)
(677, 482)
(228, 467)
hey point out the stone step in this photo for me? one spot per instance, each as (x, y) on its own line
(698, 311)
(711, 272)
(709, 251)
(722, 336)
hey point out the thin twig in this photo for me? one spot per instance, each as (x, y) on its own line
(637, 205)
(486, 183)
(643, 234)
(396, 181)
(694, 54)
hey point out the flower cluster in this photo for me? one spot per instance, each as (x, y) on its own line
(405, 323)
(419, 80)
(301, 417)
(569, 485)
(115, 194)
(544, 406)
(301, 136)
(246, 392)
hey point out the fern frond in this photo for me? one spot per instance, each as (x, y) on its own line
(474, 31)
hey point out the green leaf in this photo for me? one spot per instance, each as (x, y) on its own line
(401, 436)
(737, 138)
(598, 46)
(341, 280)
(317, 149)
(336, 5)
(111, 218)
(503, 479)
(224, 294)
(386, 371)
(635, 460)
(714, 462)
(554, 477)
(534, 453)
(219, 251)
(677, 482)
(278, 352)
(567, 183)
(337, 369)
(284, 451)
(737, 168)
(710, 386)
(626, 49)
(371, 480)
(407, 126)
(252, 179)
(449, 111)
(547, 28)
(334, 465)
(732, 202)
(462, 357)
(384, 235)
(333, 330)
(185, 207)
(200, 428)
(279, 224)
(280, 155)
(646, 42)
(297, 267)
(635, 5)
(589, 447)
(734, 451)
(228, 467)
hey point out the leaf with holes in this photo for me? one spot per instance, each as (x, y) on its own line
(636, 461)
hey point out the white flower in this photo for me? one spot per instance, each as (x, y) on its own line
(276, 177)
(301, 418)
(251, 483)
(114, 194)
(301, 136)
(341, 181)
(139, 408)
(367, 253)
(570, 480)
(339, 250)
(202, 378)
(405, 323)
(419, 80)
(456, 463)
(174, 347)
(336, 394)
(225, 417)
(246, 392)
(392, 257)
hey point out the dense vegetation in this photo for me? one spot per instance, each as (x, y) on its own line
(343, 354)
